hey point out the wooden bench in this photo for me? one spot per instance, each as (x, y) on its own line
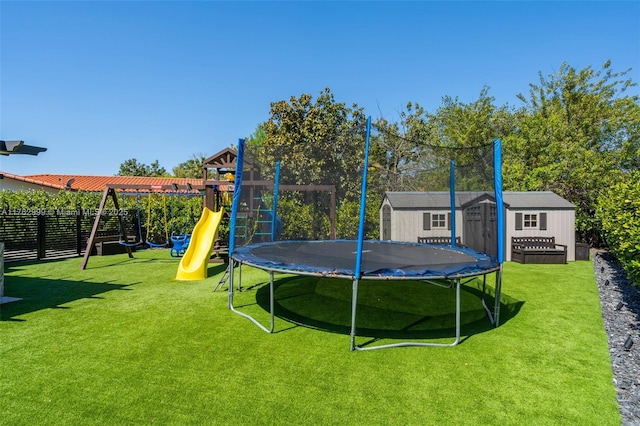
(439, 240)
(537, 250)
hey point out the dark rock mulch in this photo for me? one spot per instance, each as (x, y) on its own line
(620, 302)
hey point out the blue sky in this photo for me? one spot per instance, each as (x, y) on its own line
(98, 83)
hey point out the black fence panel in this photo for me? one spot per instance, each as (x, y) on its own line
(29, 236)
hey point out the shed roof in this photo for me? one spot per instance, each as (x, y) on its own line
(536, 199)
(513, 199)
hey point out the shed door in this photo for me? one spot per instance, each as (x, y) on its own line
(480, 231)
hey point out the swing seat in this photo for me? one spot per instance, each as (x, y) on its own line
(180, 244)
(156, 245)
(128, 244)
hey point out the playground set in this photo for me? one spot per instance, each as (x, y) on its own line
(114, 226)
(197, 245)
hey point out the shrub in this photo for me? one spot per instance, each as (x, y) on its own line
(618, 209)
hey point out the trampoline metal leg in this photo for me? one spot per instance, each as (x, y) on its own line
(230, 285)
(484, 302)
(247, 316)
(494, 316)
(400, 344)
(354, 303)
(496, 308)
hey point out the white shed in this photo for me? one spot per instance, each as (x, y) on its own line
(405, 216)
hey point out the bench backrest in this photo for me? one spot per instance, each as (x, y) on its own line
(546, 242)
(438, 240)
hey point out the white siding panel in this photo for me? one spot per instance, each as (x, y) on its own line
(407, 225)
(560, 224)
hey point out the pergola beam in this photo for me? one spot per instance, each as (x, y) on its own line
(18, 147)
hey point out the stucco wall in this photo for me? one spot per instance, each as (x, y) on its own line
(18, 185)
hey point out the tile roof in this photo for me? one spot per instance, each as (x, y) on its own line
(31, 180)
(98, 183)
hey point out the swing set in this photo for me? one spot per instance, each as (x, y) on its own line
(177, 242)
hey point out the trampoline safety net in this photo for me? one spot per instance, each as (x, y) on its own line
(417, 188)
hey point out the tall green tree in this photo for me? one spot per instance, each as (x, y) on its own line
(132, 167)
(317, 141)
(397, 148)
(192, 168)
(578, 131)
(463, 133)
(257, 137)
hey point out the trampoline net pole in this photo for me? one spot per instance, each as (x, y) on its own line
(452, 200)
(363, 201)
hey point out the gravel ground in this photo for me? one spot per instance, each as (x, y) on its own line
(621, 314)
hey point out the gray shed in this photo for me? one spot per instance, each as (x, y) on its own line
(405, 216)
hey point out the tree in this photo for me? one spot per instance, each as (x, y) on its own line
(415, 154)
(156, 170)
(191, 168)
(315, 142)
(131, 167)
(577, 133)
(257, 138)
(396, 150)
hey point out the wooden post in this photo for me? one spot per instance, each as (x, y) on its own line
(108, 192)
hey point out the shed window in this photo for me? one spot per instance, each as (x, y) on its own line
(530, 221)
(439, 220)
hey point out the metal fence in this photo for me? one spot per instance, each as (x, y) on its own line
(51, 234)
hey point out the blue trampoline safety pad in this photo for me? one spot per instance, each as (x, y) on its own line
(380, 259)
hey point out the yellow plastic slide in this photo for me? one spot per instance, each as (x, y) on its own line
(195, 261)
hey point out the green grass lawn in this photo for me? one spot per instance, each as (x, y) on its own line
(124, 343)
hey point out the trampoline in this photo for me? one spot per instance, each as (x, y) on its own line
(310, 229)
(442, 265)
